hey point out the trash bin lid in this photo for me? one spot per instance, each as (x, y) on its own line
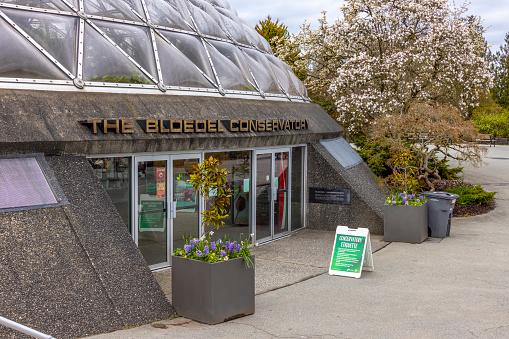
(440, 195)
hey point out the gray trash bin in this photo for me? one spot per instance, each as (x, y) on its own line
(440, 206)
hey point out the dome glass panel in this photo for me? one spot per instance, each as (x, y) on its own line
(103, 62)
(233, 26)
(205, 23)
(55, 33)
(46, 4)
(282, 75)
(230, 76)
(153, 45)
(264, 79)
(255, 39)
(296, 81)
(133, 40)
(22, 59)
(235, 55)
(192, 47)
(267, 67)
(163, 14)
(122, 10)
(181, 7)
(223, 4)
(177, 69)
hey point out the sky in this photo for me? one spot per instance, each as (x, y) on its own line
(293, 13)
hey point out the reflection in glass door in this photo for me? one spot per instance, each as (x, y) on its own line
(271, 194)
(264, 204)
(152, 231)
(281, 189)
(185, 205)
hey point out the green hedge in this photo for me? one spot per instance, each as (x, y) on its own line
(472, 195)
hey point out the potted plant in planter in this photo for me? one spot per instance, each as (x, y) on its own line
(405, 218)
(405, 215)
(213, 281)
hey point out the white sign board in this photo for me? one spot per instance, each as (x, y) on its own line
(351, 252)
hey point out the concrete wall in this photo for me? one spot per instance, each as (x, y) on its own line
(74, 270)
(367, 198)
(48, 122)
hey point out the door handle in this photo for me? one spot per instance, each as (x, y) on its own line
(173, 209)
(274, 193)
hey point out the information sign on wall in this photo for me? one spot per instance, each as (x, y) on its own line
(160, 173)
(161, 182)
(152, 215)
(329, 196)
(161, 189)
(351, 252)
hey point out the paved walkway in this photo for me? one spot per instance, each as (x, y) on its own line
(454, 288)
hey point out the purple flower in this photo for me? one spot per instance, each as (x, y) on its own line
(230, 247)
(198, 253)
(187, 248)
(206, 250)
(223, 254)
(213, 246)
(227, 243)
(394, 202)
(413, 196)
(404, 199)
(237, 248)
(406, 202)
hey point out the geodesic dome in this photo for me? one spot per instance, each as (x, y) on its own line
(158, 45)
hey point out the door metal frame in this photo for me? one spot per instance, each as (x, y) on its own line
(135, 209)
(272, 152)
(181, 156)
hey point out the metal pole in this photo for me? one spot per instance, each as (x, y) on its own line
(24, 329)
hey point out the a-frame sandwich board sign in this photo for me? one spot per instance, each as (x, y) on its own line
(351, 252)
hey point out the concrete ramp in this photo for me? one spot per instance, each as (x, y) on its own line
(366, 196)
(73, 271)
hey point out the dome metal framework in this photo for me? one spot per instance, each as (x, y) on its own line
(145, 45)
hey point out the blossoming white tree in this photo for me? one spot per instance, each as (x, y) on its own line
(384, 57)
(401, 52)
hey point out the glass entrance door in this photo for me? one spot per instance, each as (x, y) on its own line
(185, 216)
(271, 194)
(167, 206)
(152, 235)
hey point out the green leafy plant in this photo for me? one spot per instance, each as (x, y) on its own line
(492, 122)
(210, 180)
(446, 172)
(128, 79)
(471, 195)
(404, 175)
(375, 154)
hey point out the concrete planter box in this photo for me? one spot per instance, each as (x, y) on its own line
(406, 223)
(212, 292)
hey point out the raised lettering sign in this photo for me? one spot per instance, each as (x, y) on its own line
(121, 126)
